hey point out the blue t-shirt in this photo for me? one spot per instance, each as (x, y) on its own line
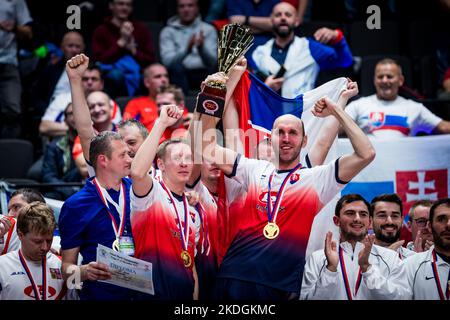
(85, 222)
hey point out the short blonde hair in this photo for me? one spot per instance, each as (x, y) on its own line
(36, 217)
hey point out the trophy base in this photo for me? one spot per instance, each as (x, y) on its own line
(210, 105)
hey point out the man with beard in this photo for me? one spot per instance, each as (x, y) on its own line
(387, 223)
(428, 272)
(266, 258)
(355, 268)
(301, 58)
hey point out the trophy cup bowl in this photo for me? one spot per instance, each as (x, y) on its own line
(233, 42)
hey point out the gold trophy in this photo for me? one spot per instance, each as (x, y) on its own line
(233, 42)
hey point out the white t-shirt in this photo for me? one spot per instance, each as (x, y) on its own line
(389, 119)
(55, 110)
(15, 284)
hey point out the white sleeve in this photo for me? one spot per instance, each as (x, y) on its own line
(352, 110)
(426, 120)
(391, 287)
(326, 181)
(244, 169)
(318, 283)
(234, 189)
(139, 204)
(55, 110)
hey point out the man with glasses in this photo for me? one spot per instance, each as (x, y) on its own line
(422, 239)
(387, 223)
(428, 272)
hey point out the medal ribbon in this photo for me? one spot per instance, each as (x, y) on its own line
(442, 296)
(30, 277)
(121, 207)
(344, 275)
(184, 232)
(272, 214)
(8, 237)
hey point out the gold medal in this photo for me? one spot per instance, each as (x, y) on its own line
(271, 230)
(115, 245)
(186, 257)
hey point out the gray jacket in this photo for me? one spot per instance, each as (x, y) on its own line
(174, 39)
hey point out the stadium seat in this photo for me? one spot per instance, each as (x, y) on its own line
(155, 29)
(368, 67)
(16, 157)
(364, 42)
(122, 102)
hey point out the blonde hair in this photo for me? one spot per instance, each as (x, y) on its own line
(36, 217)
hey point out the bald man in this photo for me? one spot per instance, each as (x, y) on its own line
(54, 81)
(266, 257)
(301, 58)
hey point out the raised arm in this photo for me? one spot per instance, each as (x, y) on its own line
(75, 69)
(142, 162)
(349, 165)
(330, 128)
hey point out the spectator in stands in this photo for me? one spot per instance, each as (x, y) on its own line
(53, 81)
(52, 123)
(386, 114)
(125, 45)
(14, 23)
(173, 95)
(300, 58)
(387, 222)
(254, 14)
(419, 214)
(188, 46)
(59, 165)
(144, 109)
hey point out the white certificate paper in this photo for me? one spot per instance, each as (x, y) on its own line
(127, 272)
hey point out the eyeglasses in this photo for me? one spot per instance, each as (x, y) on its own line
(421, 222)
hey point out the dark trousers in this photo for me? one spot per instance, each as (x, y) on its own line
(10, 106)
(187, 79)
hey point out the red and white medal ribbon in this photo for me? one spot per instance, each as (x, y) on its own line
(184, 232)
(272, 213)
(120, 207)
(348, 290)
(36, 290)
(442, 296)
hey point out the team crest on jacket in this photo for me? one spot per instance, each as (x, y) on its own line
(55, 273)
(376, 119)
(294, 178)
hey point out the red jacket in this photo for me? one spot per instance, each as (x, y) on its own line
(106, 50)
